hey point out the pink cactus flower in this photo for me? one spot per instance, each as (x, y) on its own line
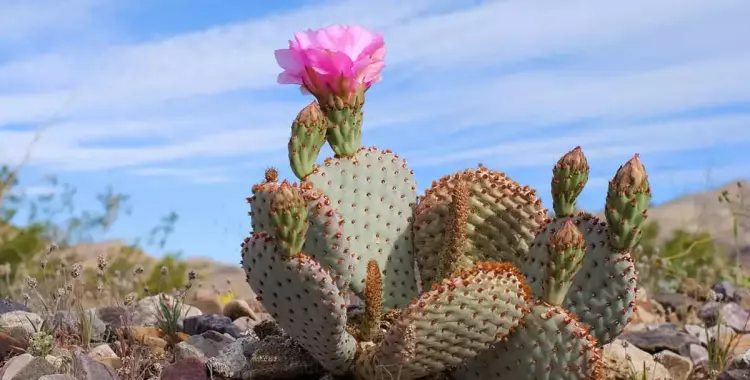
(336, 62)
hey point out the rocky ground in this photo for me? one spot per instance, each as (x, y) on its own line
(673, 336)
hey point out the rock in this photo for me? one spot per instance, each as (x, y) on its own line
(7, 306)
(674, 301)
(723, 332)
(33, 370)
(114, 316)
(87, 368)
(57, 377)
(726, 291)
(68, 322)
(621, 359)
(664, 337)
(693, 288)
(678, 366)
(20, 324)
(232, 361)
(151, 337)
(201, 323)
(113, 362)
(696, 353)
(741, 344)
(56, 362)
(206, 345)
(11, 346)
(647, 311)
(186, 369)
(238, 308)
(730, 314)
(15, 365)
(734, 374)
(738, 368)
(281, 358)
(102, 351)
(245, 323)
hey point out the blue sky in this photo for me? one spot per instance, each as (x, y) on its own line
(174, 102)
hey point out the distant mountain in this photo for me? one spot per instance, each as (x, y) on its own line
(703, 212)
(693, 212)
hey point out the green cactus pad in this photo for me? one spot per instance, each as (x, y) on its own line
(503, 219)
(550, 344)
(303, 298)
(602, 293)
(455, 321)
(375, 192)
(325, 240)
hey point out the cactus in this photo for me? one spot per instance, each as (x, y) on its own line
(375, 193)
(512, 293)
(453, 322)
(602, 291)
(502, 222)
(550, 344)
(324, 241)
(303, 298)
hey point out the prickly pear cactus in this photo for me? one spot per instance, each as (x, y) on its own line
(375, 193)
(325, 239)
(455, 321)
(303, 298)
(500, 222)
(602, 290)
(549, 344)
(509, 292)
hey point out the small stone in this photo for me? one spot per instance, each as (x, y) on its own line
(7, 306)
(678, 366)
(20, 324)
(87, 368)
(33, 370)
(186, 369)
(206, 345)
(201, 323)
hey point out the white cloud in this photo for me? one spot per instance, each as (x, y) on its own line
(196, 175)
(20, 19)
(612, 142)
(710, 177)
(502, 68)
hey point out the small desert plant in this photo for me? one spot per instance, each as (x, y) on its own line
(169, 311)
(41, 344)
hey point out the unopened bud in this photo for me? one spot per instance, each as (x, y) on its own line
(631, 177)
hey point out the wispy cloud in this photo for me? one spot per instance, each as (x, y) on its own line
(201, 175)
(485, 81)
